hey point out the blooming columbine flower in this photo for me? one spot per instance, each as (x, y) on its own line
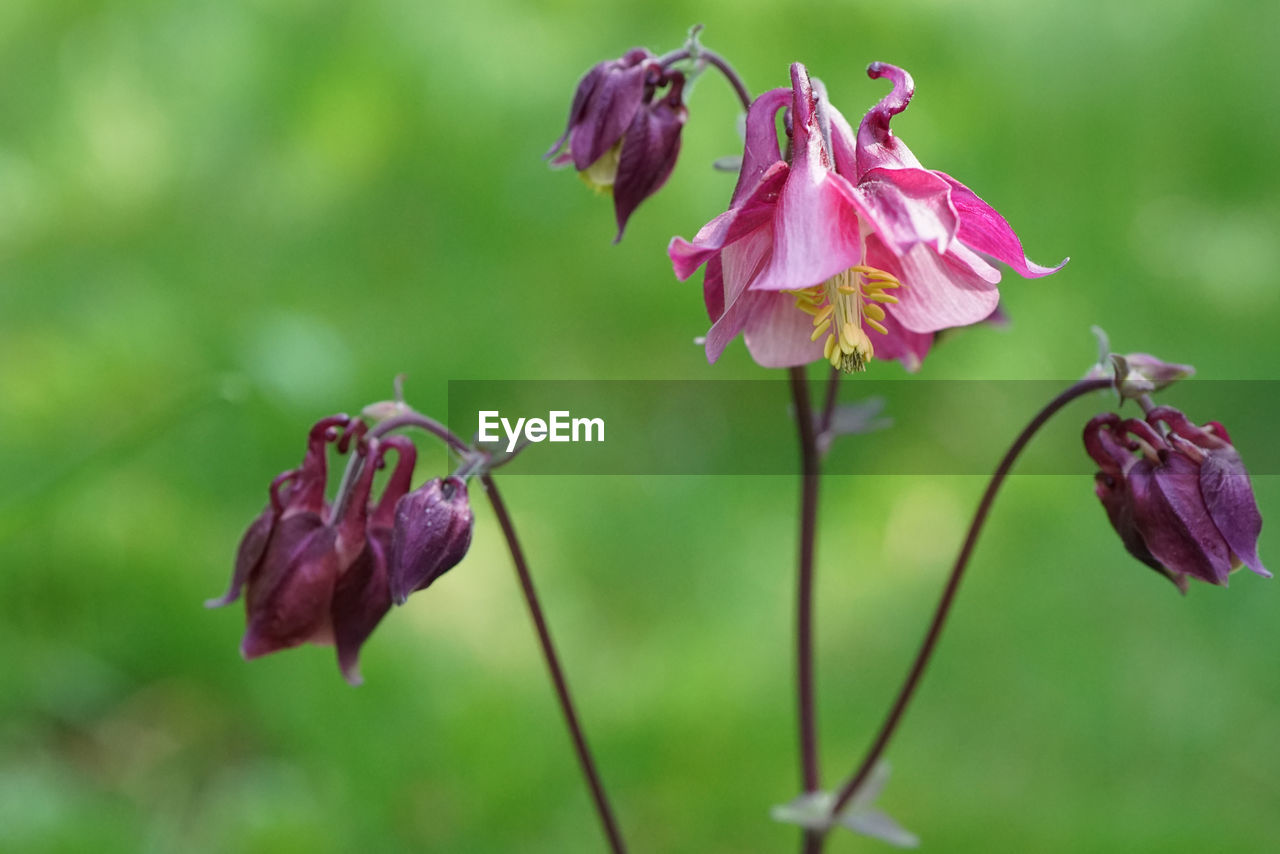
(618, 137)
(848, 234)
(1177, 494)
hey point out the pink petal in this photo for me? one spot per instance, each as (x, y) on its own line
(877, 146)
(755, 210)
(939, 292)
(910, 206)
(816, 228)
(982, 228)
(713, 288)
(777, 333)
(740, 263)
(760, 151)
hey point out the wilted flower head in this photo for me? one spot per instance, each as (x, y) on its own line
(619, 138)
(432, 534)
(1177, 494)
(845, 236)
(315, 573)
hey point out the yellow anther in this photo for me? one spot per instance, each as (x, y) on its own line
(829, 347)
(822, 314)
(873, 311)
(877, 326)
(820, 331)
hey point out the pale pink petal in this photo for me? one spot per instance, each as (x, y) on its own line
(777, 333)
(983, 229)
(939, 293)
(877, 146)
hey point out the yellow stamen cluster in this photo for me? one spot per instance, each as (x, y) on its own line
(840, 306)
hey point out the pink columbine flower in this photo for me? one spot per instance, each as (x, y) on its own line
(846, 234)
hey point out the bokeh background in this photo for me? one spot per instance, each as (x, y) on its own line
(222, 220)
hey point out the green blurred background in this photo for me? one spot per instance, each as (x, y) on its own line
(222, 220)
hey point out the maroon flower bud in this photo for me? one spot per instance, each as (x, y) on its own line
(618, 138)
(362, 594)
(1177, 494)
(432, 534)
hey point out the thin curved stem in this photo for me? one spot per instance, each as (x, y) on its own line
(907, 691)
(614, 835)
(423, 422)
(809, 773)
(715, 59)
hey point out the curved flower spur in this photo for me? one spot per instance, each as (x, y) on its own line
(846, 235)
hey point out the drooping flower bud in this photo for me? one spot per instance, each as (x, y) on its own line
(618, 137)
(1177, 494)
(432, 534)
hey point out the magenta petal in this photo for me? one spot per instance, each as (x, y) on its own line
(1228, 496)
(713, 289)
(740, 263)
(648, 155)
(609, 109)
(731, 323)
(760, 150)
(777, 333)
(361, 598)
(754, 211)
(289, 604)
(581, 95)
(1174, 523)
(982, 228)
(252, 547)
(910, 206)
(938, 293)
(877, 146)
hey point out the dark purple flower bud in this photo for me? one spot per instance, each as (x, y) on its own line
(649, 151)
(362, 595)
(618, 137)
(1177, 494)
(432, 534)
(604, 106)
